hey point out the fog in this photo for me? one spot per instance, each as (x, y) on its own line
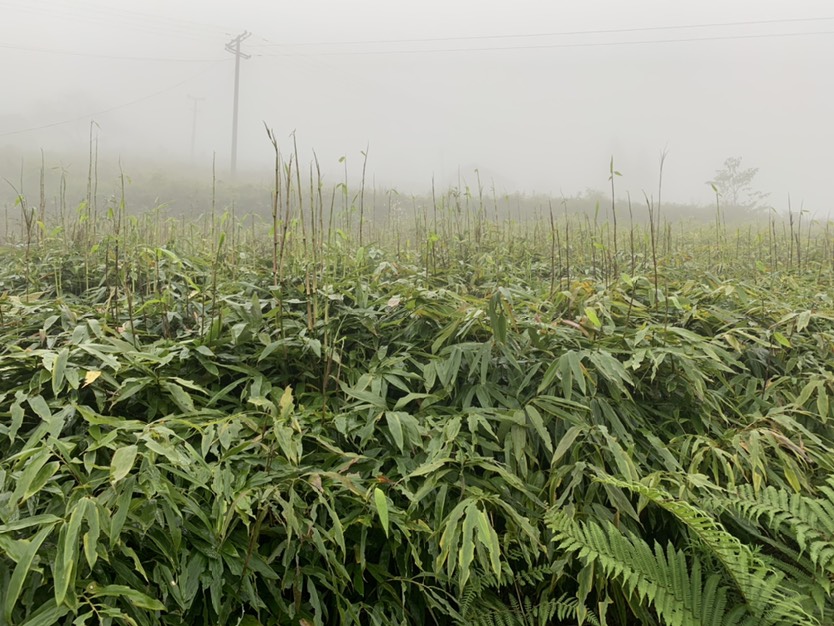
(536, 95)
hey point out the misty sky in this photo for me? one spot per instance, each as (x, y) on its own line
(439, 84)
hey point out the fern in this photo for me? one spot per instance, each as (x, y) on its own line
(528, 613)
(800, 528)
(808, 521)
(679, 595)
(478, 608)
(484, 581)
(759, 584)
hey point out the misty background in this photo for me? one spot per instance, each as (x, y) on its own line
(536, 95)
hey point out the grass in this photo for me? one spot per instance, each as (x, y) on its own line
(473, 417)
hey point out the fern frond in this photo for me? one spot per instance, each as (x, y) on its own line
(808, 521)
(531, 613)
(759, 584)
(481, 608)
(661, 578)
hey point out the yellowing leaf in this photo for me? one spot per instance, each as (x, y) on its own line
(592, 317)
(286, 402)
(91, 377)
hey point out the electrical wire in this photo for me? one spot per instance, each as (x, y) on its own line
(114, 108)
(596, 44)
(188, 24)
(569, 33)
(135, 24)
(104, 56)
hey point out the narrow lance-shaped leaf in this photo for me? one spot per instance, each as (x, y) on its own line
(489, 539)
(21, 570)
(135, 597)
(381, 508)
(59, 370)
(395, 427)
(467, 544)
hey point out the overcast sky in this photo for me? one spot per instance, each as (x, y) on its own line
(538, 95)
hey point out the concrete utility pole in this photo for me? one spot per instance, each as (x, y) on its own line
(234, 47)
(194, 124)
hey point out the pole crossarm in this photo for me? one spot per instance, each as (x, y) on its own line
(234, 45)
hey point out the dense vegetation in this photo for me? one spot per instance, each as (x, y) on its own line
(443, 417)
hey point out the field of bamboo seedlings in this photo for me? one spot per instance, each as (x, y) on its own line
(417, 413)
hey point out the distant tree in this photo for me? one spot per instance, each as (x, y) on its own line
(734, 184)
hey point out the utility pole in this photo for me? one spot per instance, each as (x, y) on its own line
(194, 124)
(234, 47)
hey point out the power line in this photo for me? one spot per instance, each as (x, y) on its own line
(104, 56)
(132, 23)
(569, 33)
(79, 9)
(165, 20)
(114, 108)
(596, 44)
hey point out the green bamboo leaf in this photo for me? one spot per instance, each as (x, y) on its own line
(121, 509)
(17, 414)
(40, 407)
(22, 569)
(566, 374)
(90, 539)
(136, 598)
(49, 613)
(40, 479)
(35, 520)
(381, 508)
(781, 339)
(189, 384)
(73, 530)
(239, 332)
(575, 363)
(180, 396)
(467, 544)
(395, 427)
(130, 387)
(338, 529)
(62, 568)
(822, 403)
(449, 538)
(538, 424)
(586, 582)
(24, 488)
(497, 313)
(549, 376)
(523, 523)
(411, 397)
(82, 619)
(489, 539)
(315, 602)
(429, 467)
(802, 321)
(122, 462)
(564, 443)
(59, 370)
